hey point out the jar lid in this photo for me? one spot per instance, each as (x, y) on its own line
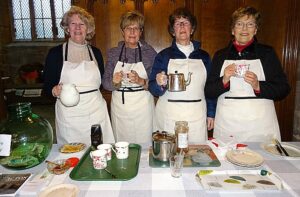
(163, 136)
(182, 123)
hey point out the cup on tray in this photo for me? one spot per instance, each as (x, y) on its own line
(121, 149)
(107, 149)
(99, 159)
(176, 165)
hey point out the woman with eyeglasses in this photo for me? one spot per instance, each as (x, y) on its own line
(184, 56)
(246, 77)
(77, 62)
(126, 75)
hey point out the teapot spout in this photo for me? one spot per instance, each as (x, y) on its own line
(188, 81)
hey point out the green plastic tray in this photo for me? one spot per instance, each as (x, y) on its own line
(123, 169)
(187, 162)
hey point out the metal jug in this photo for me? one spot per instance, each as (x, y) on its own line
(177, 82)
(163, 145)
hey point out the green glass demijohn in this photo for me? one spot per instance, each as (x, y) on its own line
(31, 137)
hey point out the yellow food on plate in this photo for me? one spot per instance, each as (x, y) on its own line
(72, 148)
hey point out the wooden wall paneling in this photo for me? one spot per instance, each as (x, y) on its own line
(190, 5)
(286, 108)
(107, 19)
(108, 33)
(157, 20)
(273, 22)
(278, 30)
(82, 3)
(213, 17)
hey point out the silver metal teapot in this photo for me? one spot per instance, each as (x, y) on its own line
(177, 82)
(163, 145)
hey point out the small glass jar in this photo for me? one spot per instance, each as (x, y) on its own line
(31, 137)
(181, 132)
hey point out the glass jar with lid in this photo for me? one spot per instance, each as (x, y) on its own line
(181, 132)
(31, 137)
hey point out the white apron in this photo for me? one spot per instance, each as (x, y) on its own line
(73, 124)
(132, 107)
(189, 105)
(241, 114)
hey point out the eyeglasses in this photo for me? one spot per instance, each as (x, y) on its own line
(241, 25)
(130, 29)
(183, 23)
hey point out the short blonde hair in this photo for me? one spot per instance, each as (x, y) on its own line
(86, 17)
(245, 11)
(130, 18)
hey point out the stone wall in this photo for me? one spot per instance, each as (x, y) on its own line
(19, 54)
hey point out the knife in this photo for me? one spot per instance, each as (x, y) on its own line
(281, 147)
(112, 175)
(278, 149)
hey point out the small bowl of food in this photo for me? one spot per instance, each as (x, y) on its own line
(58, 166)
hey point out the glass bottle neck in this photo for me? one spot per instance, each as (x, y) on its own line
(19, 110)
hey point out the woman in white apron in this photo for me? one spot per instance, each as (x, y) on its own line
(126, 75)
(183, 56)
(75, 62)
(246, 77)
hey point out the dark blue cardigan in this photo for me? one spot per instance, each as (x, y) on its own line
(161, 64)
(54, 64)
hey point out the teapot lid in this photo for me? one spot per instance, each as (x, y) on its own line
(163, 136)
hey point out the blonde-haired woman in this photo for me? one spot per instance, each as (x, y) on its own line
(246, 77)
(126, 75)
(76, 62)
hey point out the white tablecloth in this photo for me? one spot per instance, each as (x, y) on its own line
(152, 182)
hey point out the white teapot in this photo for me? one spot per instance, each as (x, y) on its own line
(69, 95)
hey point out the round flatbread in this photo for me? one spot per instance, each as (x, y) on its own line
(60, 190)
(72, 148)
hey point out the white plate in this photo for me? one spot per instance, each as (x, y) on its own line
(292, 150)
(246, 158)
(246, 165)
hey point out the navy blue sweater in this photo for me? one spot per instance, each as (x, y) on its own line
(161, 64)
(54, 64)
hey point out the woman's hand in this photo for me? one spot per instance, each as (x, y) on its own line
(229, 71)
(117, 77)
(161, 79)
(135, 78)
(210, 123)
(56, 90)
(251, 78)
